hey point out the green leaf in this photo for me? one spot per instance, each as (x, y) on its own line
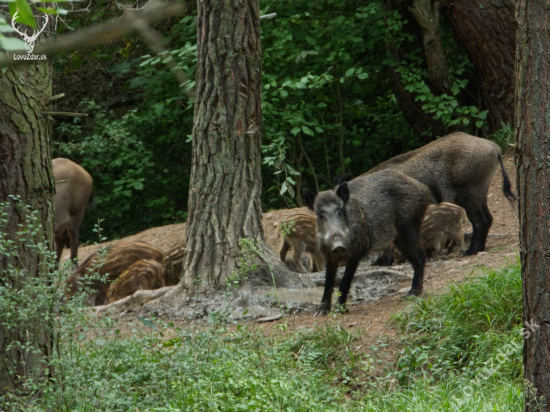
(349, 72)
(25, 15)
(483, 114)
(311, 41)
(11, 43)
(479, 123)
(362, 76)
(137, 185)
(295, 130)
(307, 130)
(283, 93)
(148, 322)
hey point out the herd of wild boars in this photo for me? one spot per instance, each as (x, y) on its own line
(411, 207)
(73, 187)
(381, 207)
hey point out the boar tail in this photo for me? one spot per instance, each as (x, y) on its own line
(506, 187)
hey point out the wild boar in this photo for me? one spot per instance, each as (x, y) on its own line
(364, 215)
(73, 186)
(173, 264)
(118, 258)
(302, 238)
(441, 231)
(145, 274)
(457, 168)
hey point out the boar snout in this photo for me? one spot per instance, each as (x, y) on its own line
(338, 246)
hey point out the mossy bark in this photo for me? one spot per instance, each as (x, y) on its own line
(26, 172)
(532, 118)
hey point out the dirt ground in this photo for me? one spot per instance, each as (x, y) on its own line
(367, 312)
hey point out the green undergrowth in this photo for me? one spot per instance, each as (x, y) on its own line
(449, 360)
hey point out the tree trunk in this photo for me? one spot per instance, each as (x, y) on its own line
(224, 198)
(487, 30)
(25, 171)
(533, 168)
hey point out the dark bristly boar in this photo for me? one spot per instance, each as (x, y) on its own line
(363, 216)
(457, 168)
(173, 264)
(145, 274)
(73, 186)
(302, 238)
(119, 258)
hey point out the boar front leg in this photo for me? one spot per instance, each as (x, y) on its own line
(330, 278)
(349, 273)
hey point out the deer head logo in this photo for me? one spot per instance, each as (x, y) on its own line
(29, 39)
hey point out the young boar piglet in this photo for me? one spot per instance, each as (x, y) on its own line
(364, 215)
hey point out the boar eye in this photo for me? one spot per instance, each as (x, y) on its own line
(321, 216)
(339, 213)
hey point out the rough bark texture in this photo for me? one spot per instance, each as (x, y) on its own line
(25, 171)
(533, 167)
(487, 29)
(426, 14)
(224, 199)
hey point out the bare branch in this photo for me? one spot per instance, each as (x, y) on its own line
(268, 16)
(66, 114)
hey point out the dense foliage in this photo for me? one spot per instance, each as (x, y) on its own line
(327, 99)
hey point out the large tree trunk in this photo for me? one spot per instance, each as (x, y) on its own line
(25, 171)
(487, 30)
(533, 166)
(224, 198)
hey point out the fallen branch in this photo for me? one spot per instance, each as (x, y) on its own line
(66, 114)
(132, 301)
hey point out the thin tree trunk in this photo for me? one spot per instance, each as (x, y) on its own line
(224, 195)
(533, 176)
(25, 171)
(341, 113)
(487, 30)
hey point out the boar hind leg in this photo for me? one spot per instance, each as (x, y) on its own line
(74, 238)
(298, 259)
(284, 250)
(349, 273)
(330, 278)
(487, 222)
(477, 219)
(59, 244)
(412, 252)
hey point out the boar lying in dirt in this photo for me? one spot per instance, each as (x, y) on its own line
(364, 216)
(73, 186)
(301, 237)
(145, 274)
(118, 258)
(441, 231)
(457, 168)
(173, 264)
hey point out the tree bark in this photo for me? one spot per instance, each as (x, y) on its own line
(426, 14)
(487, 29)
(25, 171)
(224, 199)
(533, 176)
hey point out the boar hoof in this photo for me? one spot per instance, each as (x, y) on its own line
(412, 292)
(323, 311)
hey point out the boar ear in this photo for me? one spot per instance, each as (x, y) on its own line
(308, 197)
(347, 177)
(343, 192)
(337, 180)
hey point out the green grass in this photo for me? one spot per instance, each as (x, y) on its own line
(448, 343)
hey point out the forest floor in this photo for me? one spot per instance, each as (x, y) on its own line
(375, 296)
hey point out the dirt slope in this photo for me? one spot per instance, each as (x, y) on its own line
(372, 315)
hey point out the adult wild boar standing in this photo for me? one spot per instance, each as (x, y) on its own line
(457, 168)
(73, 186)
(364, 215)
